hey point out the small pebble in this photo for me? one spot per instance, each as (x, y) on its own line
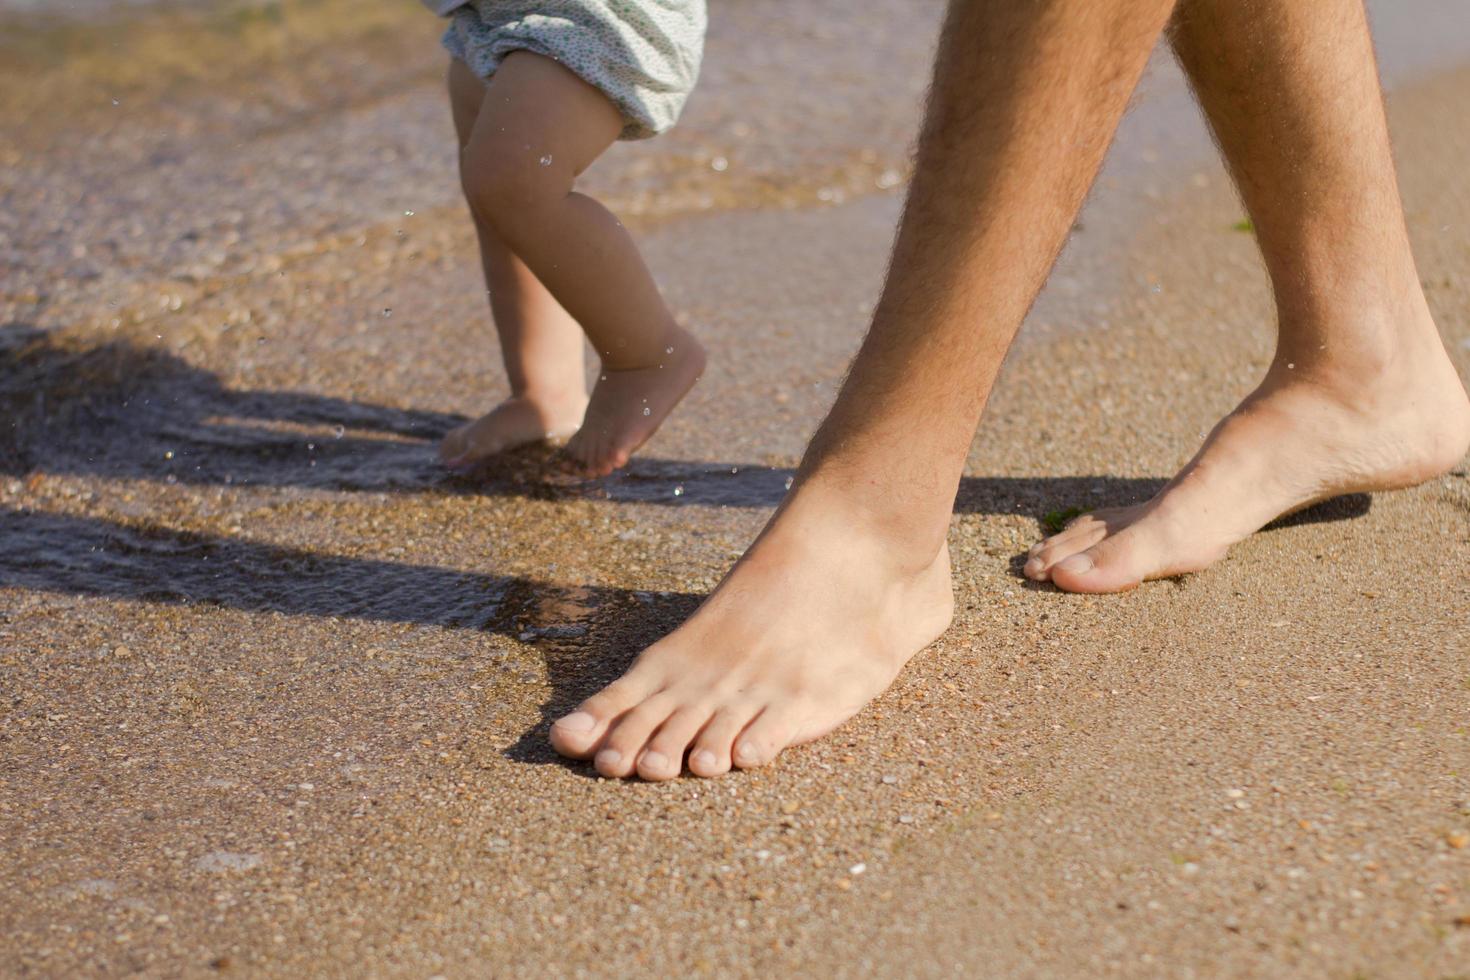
(221, 861)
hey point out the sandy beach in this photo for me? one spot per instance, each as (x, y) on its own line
(275, 688)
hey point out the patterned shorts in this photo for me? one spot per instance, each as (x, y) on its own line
(642, 54)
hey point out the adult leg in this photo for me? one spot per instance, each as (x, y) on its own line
(541, 344)
(1360, 395)
(851, 576)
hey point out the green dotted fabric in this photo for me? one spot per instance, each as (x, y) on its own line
(644, 56)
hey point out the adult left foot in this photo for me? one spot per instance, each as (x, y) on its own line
(813, 622)
(1308, 433)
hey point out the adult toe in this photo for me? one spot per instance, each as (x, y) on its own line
(578, 734)
(663, 757)
(711, 753)
(1114, 564)
(764, 738)
(626, 739)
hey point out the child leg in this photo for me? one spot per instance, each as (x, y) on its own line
(540, 126)
(541, 344)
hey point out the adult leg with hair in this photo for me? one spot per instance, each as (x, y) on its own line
(851, 576)
(1360, 395)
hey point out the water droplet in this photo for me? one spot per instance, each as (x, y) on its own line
(339, 431)
(668, 350)
(169, 454)
(387, 311)
(408, 214)
(1290, 366)
(115, 102)
(648, 411)
(790, 480)
(679, 491)
(734, 470)
(311, 447)
(719, 165)
(546, 160)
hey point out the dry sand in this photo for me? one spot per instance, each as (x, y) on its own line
(275, 691)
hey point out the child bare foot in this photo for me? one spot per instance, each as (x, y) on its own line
(518, 421)
(628, 406)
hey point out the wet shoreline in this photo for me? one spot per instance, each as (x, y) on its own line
(276, 688)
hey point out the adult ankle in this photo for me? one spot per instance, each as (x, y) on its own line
(906, 533)
(1358, 343)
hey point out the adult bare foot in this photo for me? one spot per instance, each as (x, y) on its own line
(809, 626)
(629, 404)
(518, 421)
(1310, 432)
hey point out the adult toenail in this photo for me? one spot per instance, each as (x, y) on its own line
(745, 753)
(577, 721)
(1077, 564)
(608, 758)
(704, 759)
(655, 761)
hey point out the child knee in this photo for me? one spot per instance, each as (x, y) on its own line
(508, 188)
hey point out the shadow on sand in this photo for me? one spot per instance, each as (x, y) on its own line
(122, 411)
(586, 635)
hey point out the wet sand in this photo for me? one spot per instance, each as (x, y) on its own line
(275, 689)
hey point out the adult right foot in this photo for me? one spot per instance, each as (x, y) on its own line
(810, 625)
(1316, 428)
(518, 421)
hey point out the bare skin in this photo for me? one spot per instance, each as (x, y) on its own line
(851, 577)
(1361, 394)
(558, 265)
